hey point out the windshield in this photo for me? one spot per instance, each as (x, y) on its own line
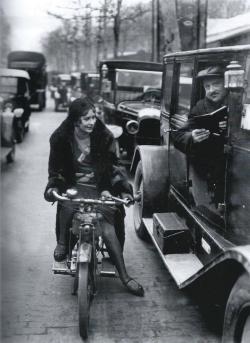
(8, 84)
(139, 78)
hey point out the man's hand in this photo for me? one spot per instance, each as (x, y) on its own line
(106, 194)
(200, 135)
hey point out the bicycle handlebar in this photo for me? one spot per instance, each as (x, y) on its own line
(102, 201)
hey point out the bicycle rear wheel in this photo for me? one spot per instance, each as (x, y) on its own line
(85, 291)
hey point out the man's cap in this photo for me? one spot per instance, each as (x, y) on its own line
(80, 107)
(212, 71)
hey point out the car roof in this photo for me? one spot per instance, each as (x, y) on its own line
(14, 73)
(136, 65)
(234, 48)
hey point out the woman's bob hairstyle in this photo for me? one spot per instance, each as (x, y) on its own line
(80, 107)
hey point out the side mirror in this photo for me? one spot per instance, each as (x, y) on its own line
(18, 112)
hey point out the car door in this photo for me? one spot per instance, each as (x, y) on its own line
(238, 183)
(181, 103)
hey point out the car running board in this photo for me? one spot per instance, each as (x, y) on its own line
(181, 266)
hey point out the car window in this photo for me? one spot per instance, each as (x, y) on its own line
(183, 98)
(184, 89)
(168, 87)
(138, 78)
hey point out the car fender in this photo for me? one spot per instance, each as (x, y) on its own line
(234, 261)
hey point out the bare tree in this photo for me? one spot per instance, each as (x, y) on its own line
(4, 38)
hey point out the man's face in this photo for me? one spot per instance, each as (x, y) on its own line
(86, 123)
(214, 89)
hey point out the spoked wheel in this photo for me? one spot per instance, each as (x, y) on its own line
(85, 291)
(139, 204)
(237, 316)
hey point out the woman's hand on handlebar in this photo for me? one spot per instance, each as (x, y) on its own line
(49, 193)
(106, 194)
(129, 197)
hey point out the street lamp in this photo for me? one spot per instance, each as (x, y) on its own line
(234, 75)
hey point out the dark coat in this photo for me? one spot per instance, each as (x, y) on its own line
(183, 137)
(109, 174)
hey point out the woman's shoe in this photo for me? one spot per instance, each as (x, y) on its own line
(134, 287)
(60, 252)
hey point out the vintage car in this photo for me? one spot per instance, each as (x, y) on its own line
(131, 91)
(8, 115)
(194, 202)
(62, 91)
(90, 83)
(14, 90)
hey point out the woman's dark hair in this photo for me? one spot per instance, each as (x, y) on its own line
(80, 107)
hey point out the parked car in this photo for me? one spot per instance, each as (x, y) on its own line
(8, 115)
(14, 89)
(194, 201)
(131, 92)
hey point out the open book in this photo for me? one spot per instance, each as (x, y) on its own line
(210, 121)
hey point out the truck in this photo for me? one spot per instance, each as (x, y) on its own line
(35, 64)
(199, 221)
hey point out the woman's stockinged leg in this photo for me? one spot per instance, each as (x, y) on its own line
(65, 219)
(115, 252)
(114, 249)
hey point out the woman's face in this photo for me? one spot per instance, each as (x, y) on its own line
(86, 123)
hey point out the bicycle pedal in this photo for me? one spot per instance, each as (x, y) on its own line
(107, 268)
(60, 267)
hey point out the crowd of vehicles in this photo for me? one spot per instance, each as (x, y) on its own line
(202, 235)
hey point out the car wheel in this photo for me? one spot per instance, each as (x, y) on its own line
(237, 315)
(139, 207)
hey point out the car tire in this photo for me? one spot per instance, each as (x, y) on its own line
(237, 315)
(139, 206)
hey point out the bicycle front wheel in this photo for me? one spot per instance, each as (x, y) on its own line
(84, 298)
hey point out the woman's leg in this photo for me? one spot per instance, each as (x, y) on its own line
(115, 252)
(119, 228)
(114, 249)
(64, 221)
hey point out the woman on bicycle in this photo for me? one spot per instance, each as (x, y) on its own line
(83, 155)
